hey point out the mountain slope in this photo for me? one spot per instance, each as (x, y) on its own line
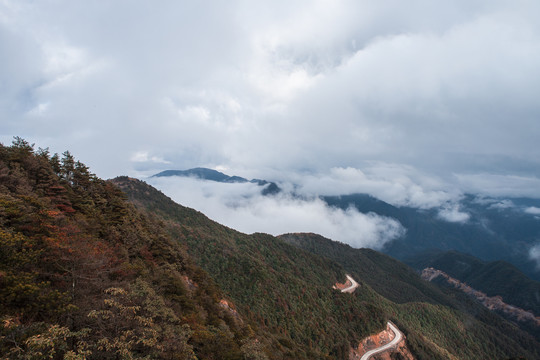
(400, 283)
(287, 292)
(494, 278)
(85, 275)
(389, 277)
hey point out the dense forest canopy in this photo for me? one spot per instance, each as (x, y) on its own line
(85, 275)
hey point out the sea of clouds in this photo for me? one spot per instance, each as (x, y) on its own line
(243, 207)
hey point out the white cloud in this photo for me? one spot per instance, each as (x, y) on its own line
(533, 210)
(502, 204)
(499, 185)
(242, 207)
(534, 254)
(452, 213)
(143, 156)
(396, 184)
(40, 109)
(275, 85)
(197, 113)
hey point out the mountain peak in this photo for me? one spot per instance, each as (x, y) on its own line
(204, 174)
(270, 188)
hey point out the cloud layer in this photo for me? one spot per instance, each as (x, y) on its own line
(452, 213)
(396, 184)
(269, 87)
(532, 210)
(242, 207)
(534, 254)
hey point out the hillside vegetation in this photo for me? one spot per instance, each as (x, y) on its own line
(421, 309)
(93, 269)
(285, 291)
(437, 324)
(84, 275)
(494, 277)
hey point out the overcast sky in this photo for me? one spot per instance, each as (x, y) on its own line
(431, 93)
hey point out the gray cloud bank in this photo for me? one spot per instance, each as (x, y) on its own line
(242, 207)
(339, 88)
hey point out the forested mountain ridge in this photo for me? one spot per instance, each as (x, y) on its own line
(494, 278)
(286, 291)
(490, 228)
(403, 286)
(438, 325)
(78, 263)
(85, 273)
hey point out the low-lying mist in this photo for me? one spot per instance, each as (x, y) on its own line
(299, 208)
(242, 206)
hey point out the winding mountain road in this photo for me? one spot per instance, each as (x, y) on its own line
(351, 288)
(383, 348)
(398, 335)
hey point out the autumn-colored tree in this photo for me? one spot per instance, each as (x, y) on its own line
(65, 237)
(23, 292)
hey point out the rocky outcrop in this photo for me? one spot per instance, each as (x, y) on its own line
(495, 303)
(226, 305)
(190, 284)
(400, 351)
(231, 309)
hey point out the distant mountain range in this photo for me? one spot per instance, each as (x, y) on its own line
(493, 232)
(270, 188)
(489, 251)
(497, 229)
